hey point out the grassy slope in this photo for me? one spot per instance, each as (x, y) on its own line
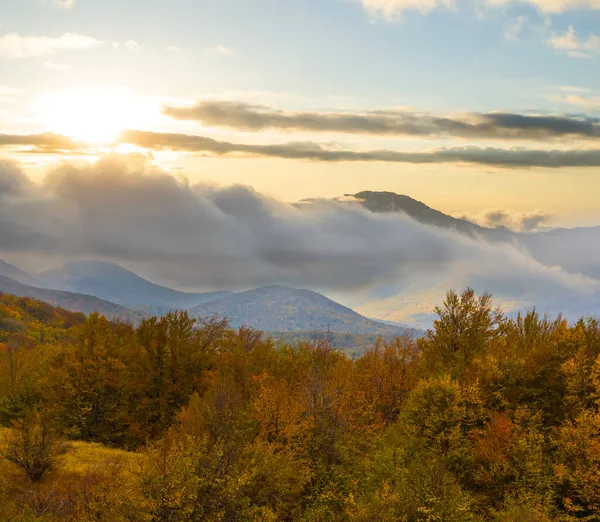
(83, 457)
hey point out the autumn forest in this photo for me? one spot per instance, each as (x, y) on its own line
(486, 417)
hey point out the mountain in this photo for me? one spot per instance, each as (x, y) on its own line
(575, 250)
(117, 284)
(69, 301)
(18, 275)
(392, 202)
(572, 251)
(283, 309)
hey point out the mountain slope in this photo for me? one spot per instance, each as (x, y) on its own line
(117, 284)
(18, 275)
(575, 250)
(283, 309)
(392, 202)
(69, 301)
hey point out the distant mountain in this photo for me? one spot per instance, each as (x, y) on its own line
(18, 275)
(575, 250)
(381, 202)
(69, 301)
(283, 309)
(117, 284)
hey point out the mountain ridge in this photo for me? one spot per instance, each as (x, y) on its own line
(119, 285)
(71, 301)
(276, 308)
(15, 273)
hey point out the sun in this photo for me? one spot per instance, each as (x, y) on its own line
(93, 116)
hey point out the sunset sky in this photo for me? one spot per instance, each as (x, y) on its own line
(467, 106)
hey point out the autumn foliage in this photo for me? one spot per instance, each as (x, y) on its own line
(487, 417)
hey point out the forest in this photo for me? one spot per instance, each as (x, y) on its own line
(486, 417)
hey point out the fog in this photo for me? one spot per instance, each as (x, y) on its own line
(201, 237)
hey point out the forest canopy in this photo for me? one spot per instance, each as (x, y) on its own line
(486, 417)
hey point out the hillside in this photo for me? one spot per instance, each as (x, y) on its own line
(117, 284)
(392, 202)
(283, 309)
(551, 248)
(18, 275)
(69, 301)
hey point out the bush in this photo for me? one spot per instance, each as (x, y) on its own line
(33, 446)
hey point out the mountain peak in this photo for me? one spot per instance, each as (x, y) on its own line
(276, 308)
(391, 202)
(96, 266)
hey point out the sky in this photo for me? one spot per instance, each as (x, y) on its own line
(471, 107)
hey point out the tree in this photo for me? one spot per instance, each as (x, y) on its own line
(33, 446)
(464, 328)
(577, 465)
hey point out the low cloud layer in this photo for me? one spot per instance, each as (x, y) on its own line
(495, 125)
(201, 237)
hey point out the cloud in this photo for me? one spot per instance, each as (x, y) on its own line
(555, 6)
(223, 50)
(55, 66)
(569, 88)
(572, 45)
(513, 31)
(132, 45)
(494, 125)
(13, 180)
(517, 221)
(589, 102)
(13, 46)
(392, 9)
(64, 4)
(514, 157)
(173, 48)
(45, 142)
(199, 236)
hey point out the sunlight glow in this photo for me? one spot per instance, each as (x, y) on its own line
(93, 116)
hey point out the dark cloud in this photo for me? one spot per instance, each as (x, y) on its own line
(490, 156)
(312, 151)
(245, 117)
